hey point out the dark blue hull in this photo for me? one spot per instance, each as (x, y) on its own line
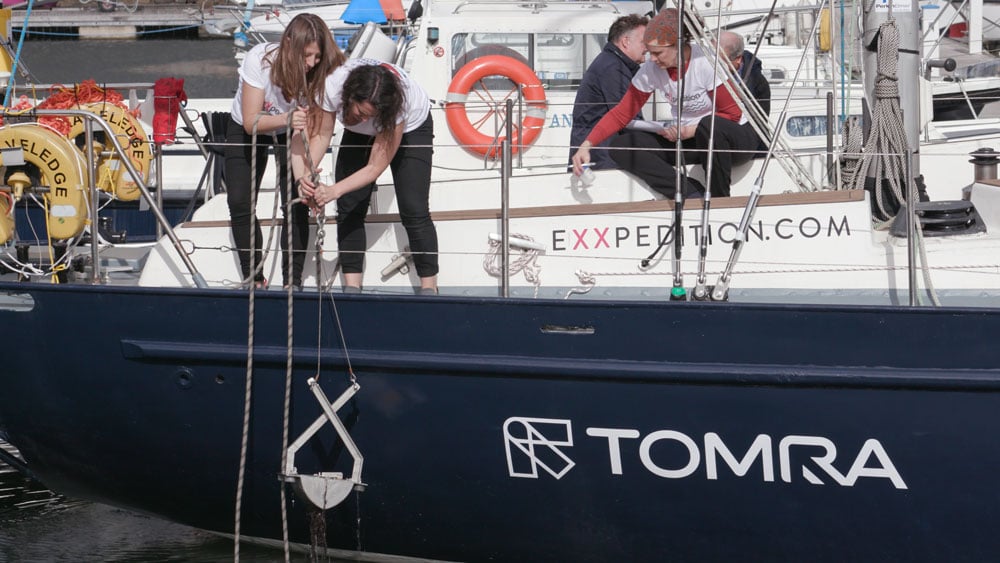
(527, 430)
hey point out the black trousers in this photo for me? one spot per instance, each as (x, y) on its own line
(238, 157)
(411, 177)
(651, 157)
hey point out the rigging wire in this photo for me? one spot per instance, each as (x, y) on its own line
(17, 54)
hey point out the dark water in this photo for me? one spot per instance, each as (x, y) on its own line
(37, 525)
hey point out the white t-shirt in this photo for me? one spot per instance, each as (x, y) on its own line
(256, 71)
(416, 104)
(700, 78)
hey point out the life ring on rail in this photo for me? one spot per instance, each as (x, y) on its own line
(34, 155)
(457, 114)
(111, 176)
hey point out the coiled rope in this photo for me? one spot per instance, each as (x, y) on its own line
(884, 153)
(86, 92)
(885, 156)
(525, 262)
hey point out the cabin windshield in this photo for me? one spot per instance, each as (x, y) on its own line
(558, 59)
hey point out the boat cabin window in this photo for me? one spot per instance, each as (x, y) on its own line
(810, 125)
(558, 59)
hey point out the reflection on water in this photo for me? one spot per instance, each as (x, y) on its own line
(39, 526)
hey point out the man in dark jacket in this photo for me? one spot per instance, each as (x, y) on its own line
(750, 71)
(605, 82)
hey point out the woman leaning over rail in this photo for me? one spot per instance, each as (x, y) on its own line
(274, 79)
(387, 122)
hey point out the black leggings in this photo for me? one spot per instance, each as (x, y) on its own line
(238, 157)
(411, 176)
(655, 165)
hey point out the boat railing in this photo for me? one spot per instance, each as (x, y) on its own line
(139, 96)
(114, 147)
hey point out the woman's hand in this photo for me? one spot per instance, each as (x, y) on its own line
(307, 189)
(581, 157)
(674, 133)
(300, 120)
(321, 194)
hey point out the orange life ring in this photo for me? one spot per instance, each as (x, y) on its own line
(458, 91)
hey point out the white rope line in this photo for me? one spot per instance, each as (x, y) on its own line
(525, 261)
(248, 393)
(290, 331)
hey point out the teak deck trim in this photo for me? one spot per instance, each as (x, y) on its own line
(800, 198)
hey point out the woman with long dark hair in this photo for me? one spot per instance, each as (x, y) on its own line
(387, 122)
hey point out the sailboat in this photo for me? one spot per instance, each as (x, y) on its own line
(533, 413)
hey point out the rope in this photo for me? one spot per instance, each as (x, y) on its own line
(883, 153)
(290, 296)
(884, 156)
(250, 342)
(526, 262)
(63, 97)
(850, 163)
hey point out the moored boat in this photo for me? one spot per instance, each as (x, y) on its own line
(553, 403)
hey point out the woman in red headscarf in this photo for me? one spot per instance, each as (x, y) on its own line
(651, 156)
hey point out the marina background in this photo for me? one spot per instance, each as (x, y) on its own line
(207, 66)
(35, 524)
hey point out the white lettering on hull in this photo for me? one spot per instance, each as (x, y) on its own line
(542, 443)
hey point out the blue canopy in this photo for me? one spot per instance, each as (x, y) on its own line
(364, 11)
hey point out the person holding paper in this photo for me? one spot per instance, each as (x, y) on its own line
(651, 156)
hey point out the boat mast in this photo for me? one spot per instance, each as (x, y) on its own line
(907, 16)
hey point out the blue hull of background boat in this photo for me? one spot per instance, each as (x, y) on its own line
(124, 219)
(528, 430)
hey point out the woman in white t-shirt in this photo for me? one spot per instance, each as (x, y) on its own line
(274, 78)
(651, 156)
(387, 122)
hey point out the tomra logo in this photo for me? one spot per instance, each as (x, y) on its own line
(543, 443)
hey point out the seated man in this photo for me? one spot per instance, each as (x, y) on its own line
(606, 80)
(750, 71)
